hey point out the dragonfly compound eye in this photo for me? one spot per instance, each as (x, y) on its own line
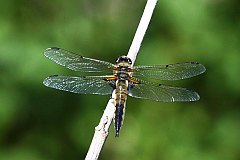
(124, 59)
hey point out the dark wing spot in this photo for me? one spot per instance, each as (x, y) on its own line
(105, 79)
(159, 84)
(194, 63)
(53, 76)
(83, 76)
(55, 48)
(167, 66)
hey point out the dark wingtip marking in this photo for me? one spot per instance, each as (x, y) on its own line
(167, 66)
(55, 48)
(52, 48)
(83, 76)
(159, 84)
(194, 62)
(203, 68)
(46, 52)
(53, 75)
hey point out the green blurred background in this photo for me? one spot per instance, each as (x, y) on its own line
(40, 123)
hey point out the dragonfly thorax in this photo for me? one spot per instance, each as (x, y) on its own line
(122, 76)
(123, 68)
(123, 71)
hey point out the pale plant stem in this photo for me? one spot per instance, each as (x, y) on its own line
(141, 30)
(101, 131)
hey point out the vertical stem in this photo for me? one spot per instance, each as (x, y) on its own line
(141, 30)
(101, 131)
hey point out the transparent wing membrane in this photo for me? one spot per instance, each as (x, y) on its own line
(137, 88)
(84, 85)
(76, 62)
(169, 72)
(163, 93)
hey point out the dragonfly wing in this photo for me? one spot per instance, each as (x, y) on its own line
(169, 72)
(84, 84)
(159, 92)
(76, 62)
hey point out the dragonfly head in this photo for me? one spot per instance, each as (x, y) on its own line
(123, 59)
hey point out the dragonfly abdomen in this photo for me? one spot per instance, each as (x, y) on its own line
(120, 103)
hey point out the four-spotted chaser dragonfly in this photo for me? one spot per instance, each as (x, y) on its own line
(123, 78)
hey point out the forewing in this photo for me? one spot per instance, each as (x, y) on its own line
(169, 72)
(163, 93)
(84, 85)
(76, 62)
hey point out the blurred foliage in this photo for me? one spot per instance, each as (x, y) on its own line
(39, 123)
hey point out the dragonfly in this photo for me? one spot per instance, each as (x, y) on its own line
(122, 78)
